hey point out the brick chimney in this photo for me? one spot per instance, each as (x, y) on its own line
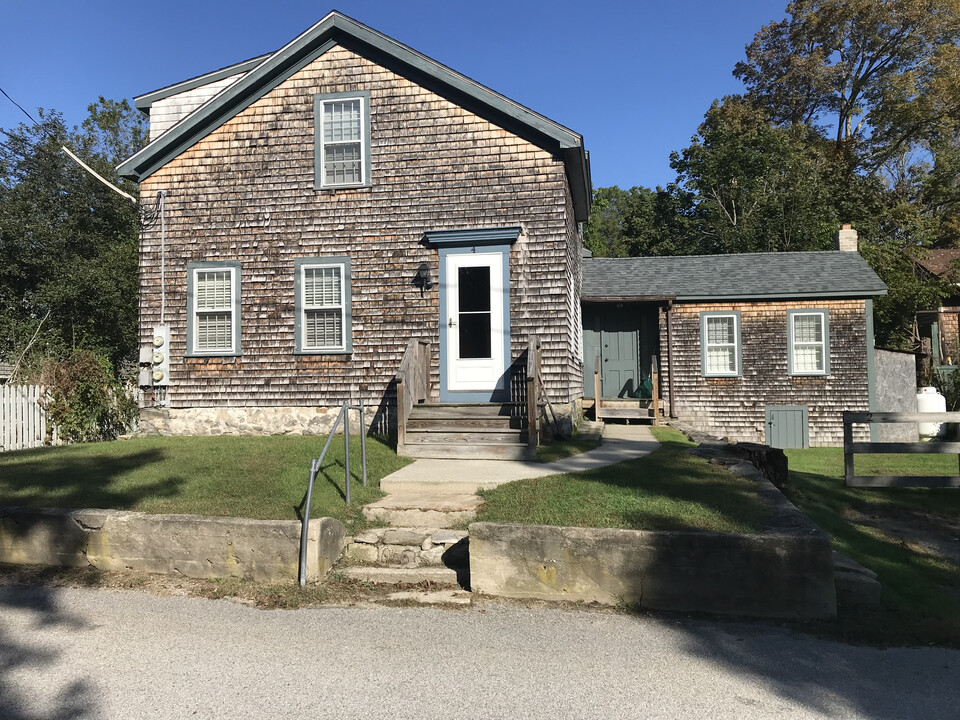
(845, 239)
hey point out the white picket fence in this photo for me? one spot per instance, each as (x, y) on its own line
(23, 423)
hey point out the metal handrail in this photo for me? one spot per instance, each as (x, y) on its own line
(316, 463)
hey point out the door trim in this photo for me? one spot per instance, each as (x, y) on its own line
(499, 394)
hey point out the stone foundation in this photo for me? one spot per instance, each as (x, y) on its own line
(248, 420)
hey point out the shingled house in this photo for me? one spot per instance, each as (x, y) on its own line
(761, 347)
(336, 204)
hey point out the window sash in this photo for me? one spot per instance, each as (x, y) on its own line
(808, 344)
(323, 306)
(720, 335)
(342, 142)
(213, 310)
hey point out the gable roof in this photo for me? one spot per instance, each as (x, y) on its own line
(145, 101)
(826, 274)
(942, 262)
(338, 29)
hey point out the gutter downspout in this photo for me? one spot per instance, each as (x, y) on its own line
(673, 413)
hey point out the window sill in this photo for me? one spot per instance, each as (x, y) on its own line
(334, 189)
(321, 353)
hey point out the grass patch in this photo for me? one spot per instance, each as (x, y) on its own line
(667, 490)
(254, 477)
(560, 449)
(920, 601)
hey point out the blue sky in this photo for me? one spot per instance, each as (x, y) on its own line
(634, 78)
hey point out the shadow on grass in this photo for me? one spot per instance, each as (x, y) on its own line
(70, 480)
(666, 490)
(920, 593)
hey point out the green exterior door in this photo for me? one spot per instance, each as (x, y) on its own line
(619, 357)
(787, 426)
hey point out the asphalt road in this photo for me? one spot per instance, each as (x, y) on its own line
(121, 654)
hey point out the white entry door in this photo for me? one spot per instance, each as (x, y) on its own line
(474, 325)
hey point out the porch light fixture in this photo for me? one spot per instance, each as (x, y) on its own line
(422, 278)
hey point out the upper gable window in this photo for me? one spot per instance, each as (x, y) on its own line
(342, 132)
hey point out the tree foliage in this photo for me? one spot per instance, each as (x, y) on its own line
(851, 115)
(883, 74)
(68, 245)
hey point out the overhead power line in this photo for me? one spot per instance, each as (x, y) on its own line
(80, 162)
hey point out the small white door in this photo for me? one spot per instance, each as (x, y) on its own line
(474, 324)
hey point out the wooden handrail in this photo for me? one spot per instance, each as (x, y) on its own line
(533, 372)
(413, 383)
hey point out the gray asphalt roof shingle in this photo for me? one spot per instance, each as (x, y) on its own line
(742, 276)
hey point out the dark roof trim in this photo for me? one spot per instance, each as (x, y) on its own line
(628, 298)
(782, 296)
(145, 101)
(338, 29)
(473, 236)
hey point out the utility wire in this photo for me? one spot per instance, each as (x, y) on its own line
(80, 162)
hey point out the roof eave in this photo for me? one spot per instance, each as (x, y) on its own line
(145, 102)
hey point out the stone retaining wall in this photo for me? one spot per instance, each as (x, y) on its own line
(191, 545)
(769, 575)
(251, 420)
(404, 547)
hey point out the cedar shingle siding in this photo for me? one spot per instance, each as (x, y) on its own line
(245, 193)
(734, 406)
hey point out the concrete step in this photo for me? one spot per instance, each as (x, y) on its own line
(419, 509)
(466, 451)
(623, 413)
(395, 576)
(433, 597)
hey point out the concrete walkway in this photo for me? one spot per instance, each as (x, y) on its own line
(429, 491)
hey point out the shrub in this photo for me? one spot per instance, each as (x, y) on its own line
(85, 399)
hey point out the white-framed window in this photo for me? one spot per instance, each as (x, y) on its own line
(720, 354)
(324, 320)
(213, 320)
(342, 128)
(809, 342)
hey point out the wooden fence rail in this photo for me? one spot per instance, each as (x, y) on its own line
(23, 422)
(850, 448)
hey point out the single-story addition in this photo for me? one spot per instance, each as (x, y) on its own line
(342, 204)
(761, 347)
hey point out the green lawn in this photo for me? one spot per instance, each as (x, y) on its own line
(256, 477)
(667, 490)
(920, 602)
(560, 449)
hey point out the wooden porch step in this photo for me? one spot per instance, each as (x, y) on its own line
(453, 434)
(466, 410)
(623, 413)
(467, 451)
(473, 423)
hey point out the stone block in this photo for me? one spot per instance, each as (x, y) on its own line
(370, 537)
(405, 536)
(361, 553)
(448, 537)
(190, 545)
(766, 575)
(401, 555)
